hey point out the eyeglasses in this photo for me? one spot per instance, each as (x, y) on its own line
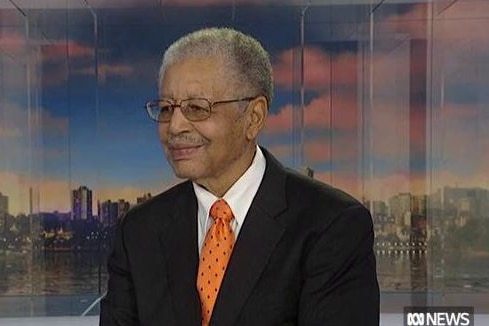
(193, 109)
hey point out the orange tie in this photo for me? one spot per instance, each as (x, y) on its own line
(218, 245)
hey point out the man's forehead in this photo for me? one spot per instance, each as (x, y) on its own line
(190, 59)
(195, 77)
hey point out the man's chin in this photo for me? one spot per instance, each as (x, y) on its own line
(183, 171)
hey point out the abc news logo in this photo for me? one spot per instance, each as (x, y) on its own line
(438, 316)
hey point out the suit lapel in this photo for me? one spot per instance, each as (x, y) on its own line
(258, 237)
(179, 244)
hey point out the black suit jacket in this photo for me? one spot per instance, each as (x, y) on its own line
(303, 257)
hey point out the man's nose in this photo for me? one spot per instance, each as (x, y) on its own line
(178, 123)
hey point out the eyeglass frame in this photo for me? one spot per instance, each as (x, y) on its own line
(176, 104)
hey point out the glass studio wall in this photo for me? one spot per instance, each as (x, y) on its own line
(385, 99)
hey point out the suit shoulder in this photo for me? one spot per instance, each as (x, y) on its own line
(317, 206)
(315, 193)
(165, 199)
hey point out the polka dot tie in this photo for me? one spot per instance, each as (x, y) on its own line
(218, 245)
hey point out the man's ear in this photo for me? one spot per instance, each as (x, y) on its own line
(257, 117)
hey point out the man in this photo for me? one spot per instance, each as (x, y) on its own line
(243, 241)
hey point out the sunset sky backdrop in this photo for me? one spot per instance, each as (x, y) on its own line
(74, 115)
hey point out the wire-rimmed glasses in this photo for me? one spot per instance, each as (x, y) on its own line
(193, 109)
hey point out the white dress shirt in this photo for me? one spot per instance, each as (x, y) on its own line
(239, 198)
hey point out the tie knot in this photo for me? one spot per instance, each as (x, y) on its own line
(221, 210)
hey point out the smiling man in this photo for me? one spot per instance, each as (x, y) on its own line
(243, 241)
(215, 152)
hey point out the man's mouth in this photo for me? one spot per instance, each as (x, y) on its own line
(183, 151)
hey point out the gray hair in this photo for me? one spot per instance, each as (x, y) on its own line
(244, 56)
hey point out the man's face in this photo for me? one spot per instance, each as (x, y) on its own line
(206, 150)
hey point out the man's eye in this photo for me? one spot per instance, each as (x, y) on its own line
(196, 108)
(165, 108)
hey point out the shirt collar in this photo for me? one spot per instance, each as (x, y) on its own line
(241, 193)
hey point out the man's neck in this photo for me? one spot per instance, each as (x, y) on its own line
(218, 187)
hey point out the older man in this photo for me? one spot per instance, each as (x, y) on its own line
(243, 241)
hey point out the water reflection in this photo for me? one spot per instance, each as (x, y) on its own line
(52, 273)
(455, 272)
(65, 273)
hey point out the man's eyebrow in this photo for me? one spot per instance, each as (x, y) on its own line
(187, 97)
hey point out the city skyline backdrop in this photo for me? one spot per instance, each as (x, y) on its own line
(464, 199)
(89, 126)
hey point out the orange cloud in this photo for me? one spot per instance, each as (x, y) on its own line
(281, 121)
(116, 70)
(318, 151)
(460, 141)
(12, 43)
(281, 150)
(389, 130)
(448, 36)
(56, 55)
(473, 16)
(66, 49)
(320, 69)
(107, 70)
(412, 23)
(340, 148)
(318, 114)
(456, 146)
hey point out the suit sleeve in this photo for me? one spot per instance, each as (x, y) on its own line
(118, 307)
(340, 286)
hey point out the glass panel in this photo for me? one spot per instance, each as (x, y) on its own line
(332, 112)
(395, 151)
(48, 71)
(20, 152)
(460, 147)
